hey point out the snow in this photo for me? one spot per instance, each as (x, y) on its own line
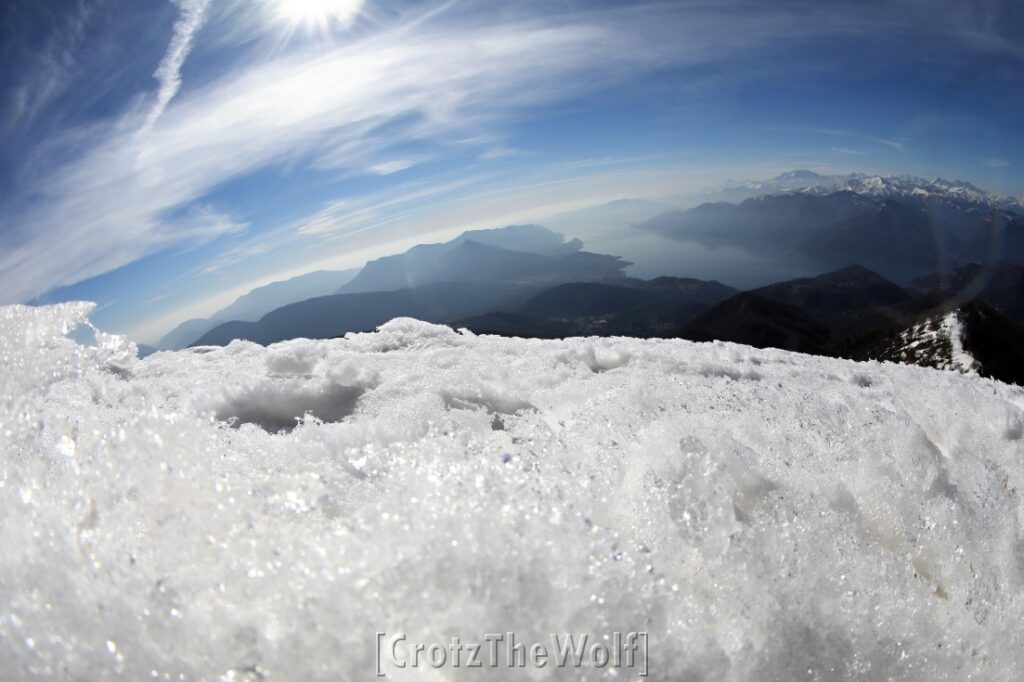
(936, 342)
(954, 194)
(763, 515)
(958, 195)
(959, 359)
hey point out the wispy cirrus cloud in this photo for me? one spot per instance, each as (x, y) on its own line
(115, 203)
(848, 134)
(52, 66)
(847, 151)
(192, 15)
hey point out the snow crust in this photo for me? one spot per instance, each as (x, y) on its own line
(763, 515)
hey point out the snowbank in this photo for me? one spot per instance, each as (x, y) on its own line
(763, 515)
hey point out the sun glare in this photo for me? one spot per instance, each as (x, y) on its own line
(319, 12)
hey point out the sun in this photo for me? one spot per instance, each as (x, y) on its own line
(318, 12)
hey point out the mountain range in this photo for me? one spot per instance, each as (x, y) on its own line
(477, 272)
(517, 253)
(901, 227)
(893, 187)
(326, 317)
(625, 307)
(973, 337)
(936, 237)
(851, 312)
(257, 303)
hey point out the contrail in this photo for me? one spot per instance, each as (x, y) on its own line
(192, 15)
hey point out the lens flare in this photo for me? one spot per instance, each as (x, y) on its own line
(319, 12)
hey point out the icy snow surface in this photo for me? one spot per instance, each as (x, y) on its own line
(763, 515)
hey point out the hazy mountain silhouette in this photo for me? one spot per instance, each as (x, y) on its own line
(523, 253)
(258, 302)
(185, 333)
(526, 238)
(145, 351)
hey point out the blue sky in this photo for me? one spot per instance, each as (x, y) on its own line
(162, 158)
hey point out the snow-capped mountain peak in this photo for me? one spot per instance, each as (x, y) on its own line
(800, 174)
(882, 186)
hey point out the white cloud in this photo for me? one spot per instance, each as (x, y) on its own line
(391, 167)
(850, 134)
(152, 329)
(995, 163)
(236, 255)
(109, 206)
(191, 17)
(846, 151)
(503, 152)
(53, 67)
(202, 223)
(366, 232)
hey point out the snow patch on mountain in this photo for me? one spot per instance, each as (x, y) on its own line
(959, 359)
(936, 342)
(897, 186)
(910, 186)
(260, 513)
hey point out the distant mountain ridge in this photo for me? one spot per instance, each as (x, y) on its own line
(847, 289)
(585, 299)
(259, 302)
(852, 312)
(855, 313)
(527, 280)
(518, 253)
(892, 186)
(327, 317)
(624, 307)
(522, 253)
(619, 306)
(535, 239)
(755, 320)
(900, 227)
